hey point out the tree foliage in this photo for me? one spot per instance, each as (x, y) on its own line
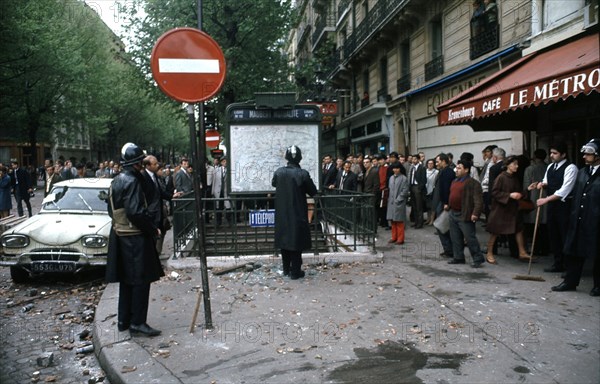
(63, 73)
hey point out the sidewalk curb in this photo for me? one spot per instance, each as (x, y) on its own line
(116, 350)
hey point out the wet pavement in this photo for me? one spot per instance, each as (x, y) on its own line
(410, 318)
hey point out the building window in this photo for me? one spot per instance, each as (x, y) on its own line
(547, 14)
(435, 67)
(365, 78)
(382, 93)
(403, 83)
(484, 28)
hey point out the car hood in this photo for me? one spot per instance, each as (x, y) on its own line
(56, 229)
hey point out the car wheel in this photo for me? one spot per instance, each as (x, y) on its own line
(19, 275)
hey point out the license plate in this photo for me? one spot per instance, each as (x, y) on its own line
(53, 267)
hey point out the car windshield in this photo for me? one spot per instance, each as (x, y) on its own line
(78, 199)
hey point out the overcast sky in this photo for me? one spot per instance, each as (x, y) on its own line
(112, 13)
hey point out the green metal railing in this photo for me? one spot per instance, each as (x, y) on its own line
(342, 221)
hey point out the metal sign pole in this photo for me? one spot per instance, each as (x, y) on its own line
(198, 210)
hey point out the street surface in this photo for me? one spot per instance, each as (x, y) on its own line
(39, 343)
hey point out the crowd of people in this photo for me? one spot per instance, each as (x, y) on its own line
(513, 196)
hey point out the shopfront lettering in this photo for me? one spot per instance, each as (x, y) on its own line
(436, 98)
(461, 113)
(491, 105)
(566, 86)
(518, 98)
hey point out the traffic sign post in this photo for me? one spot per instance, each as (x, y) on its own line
(189, 66)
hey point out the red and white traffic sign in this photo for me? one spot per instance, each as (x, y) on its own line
(213, 138)
(188, 65)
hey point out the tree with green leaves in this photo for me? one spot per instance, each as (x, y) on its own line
(64, 74)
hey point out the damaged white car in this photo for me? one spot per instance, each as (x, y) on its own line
(68, 235)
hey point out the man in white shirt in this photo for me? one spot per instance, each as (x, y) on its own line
(558, 181)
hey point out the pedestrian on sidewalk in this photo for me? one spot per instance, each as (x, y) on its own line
(396, 207)
(466, 204)
(292, 231)
(583, 236)
(132, 258)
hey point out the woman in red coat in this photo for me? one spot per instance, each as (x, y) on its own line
(504, 216)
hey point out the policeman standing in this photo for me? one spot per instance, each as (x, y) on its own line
(292, 231)
(583, 235)
(132, 258)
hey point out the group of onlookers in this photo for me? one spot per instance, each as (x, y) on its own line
(513, 196)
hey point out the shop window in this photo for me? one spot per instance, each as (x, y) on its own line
(484, 28)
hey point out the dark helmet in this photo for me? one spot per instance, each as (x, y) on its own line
(293, 154)
(593, 147)
(131, 154)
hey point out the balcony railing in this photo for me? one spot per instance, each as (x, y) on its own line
(382, 95)
(485, 41)
(434, 68)
(328, 21)
(342, 7)
(375, 20)
(403, 83)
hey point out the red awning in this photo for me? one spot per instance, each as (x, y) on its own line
(551, 75)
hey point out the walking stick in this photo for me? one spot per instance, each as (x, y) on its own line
(200, 292)
(535, 228)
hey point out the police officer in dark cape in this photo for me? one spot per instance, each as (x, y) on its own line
(132, 258)
(292, 231)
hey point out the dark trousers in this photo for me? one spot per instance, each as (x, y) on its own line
(133, 303)
(558, 215)
(575, 269)
(292, 262)
(459, 232)
(416, 192)
(486, 204)
(444, 237)
(20, 197)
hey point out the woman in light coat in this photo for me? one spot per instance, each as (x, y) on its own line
(396, 208)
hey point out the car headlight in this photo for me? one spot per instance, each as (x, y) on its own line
(15, 241)
(94, 241)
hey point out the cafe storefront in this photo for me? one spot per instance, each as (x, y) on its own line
(551, 95)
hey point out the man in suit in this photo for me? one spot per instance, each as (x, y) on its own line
(219, 191)
(329, 172)
(418, 182)
(346, 179)
(155, 192)
(371, 184)
(51, 178)
(22, 187)
(183, 178)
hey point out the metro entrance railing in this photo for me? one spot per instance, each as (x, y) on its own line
(342, 221)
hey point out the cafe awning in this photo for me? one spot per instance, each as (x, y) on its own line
(505, 100)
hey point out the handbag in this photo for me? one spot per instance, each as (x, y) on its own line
(442, 222)
(526, 205)
(121, 224)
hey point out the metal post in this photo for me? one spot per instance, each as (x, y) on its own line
(198, 215)
(201, 144)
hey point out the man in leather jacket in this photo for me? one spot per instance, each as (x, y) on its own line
(132, 258)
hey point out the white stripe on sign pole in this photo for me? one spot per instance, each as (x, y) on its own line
(188, 66)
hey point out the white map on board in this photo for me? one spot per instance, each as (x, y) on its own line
(257, 151)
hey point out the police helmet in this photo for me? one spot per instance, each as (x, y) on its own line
(293, 154)
(131, 154)
(593, 147)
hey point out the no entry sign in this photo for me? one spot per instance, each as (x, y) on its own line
(188, 65)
